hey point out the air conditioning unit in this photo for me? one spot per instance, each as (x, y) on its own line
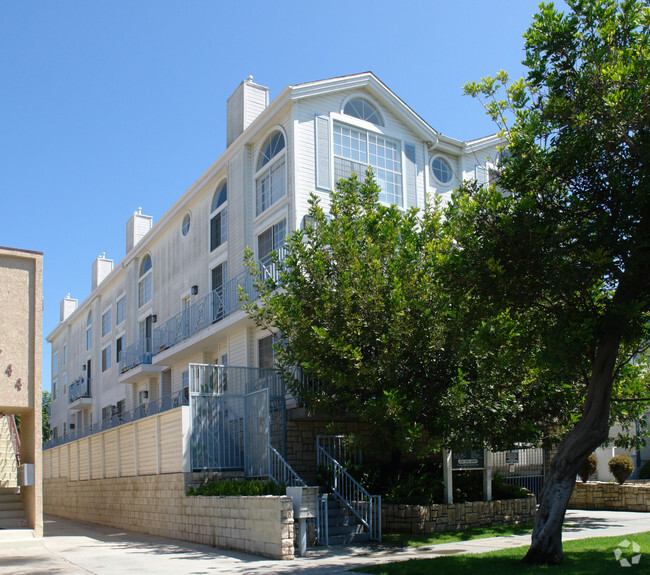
(26, 474)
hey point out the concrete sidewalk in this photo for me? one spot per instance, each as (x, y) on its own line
(73, 548)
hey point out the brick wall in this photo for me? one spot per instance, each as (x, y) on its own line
(610, 496)
(435, 518)
(157, 505)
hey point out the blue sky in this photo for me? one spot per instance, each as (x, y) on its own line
(106, 106)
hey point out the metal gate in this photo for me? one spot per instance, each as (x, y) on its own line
(236, 413)
(256, 426)
(524, 466)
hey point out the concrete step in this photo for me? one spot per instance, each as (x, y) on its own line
(13, 523)
(355, 538)
(19, 538)
(10, 506)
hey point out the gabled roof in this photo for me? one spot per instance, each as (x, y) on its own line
(378, 89)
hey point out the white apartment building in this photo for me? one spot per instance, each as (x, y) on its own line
(171, 301)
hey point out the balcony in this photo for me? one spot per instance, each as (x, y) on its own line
(79, 393)
(209, 310)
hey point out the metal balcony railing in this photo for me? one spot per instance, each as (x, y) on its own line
(210, 309)
(78, 389)
(154, 407)
(136, 354)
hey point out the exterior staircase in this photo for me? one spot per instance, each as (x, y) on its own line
(8, 463)
(342, 526)
(12, 514)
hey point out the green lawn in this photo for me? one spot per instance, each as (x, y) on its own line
(418, 540)
(581, 557)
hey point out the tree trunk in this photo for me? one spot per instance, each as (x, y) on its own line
(589, 433)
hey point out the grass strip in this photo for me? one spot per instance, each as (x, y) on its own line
(593, 556)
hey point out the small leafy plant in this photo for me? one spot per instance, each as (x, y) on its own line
(621, 467)
(588, 468)
(240, 487)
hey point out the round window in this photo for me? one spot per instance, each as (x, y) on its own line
(186, 224)
(441, 169)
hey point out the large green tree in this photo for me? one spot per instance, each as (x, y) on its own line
(361, 312)
(565, 252)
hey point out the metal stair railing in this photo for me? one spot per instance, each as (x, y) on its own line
(15, 437)
(322, 521)
(281, 472)
(366, 507)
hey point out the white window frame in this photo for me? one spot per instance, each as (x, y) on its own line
(107, 322)
(89, 331)
(352, 123)
(145, 284)
(64, 354)
(268, 170)
(221, 212)
(120, 300)
(107, 359)
(55, 362)
(451, 170)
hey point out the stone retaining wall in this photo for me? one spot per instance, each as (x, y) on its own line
(157, 505)
(610, 496)
(434, 518)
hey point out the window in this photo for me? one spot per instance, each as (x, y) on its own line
(106, 358)
(356, 149)
(120, 310)
(441, 169)
(265, 352)
(219, 217)
(146, 282)
(118, 348)
(64, 358)
(89, 331)
(185, 227)
(364, 110)
(271, 240)
(55, 362)
(271, 181)
(108, 412)
(55, 385)
(106, 322)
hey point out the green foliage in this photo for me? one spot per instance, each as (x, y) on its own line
(621, 467)
(238, 487)
(46, 415)
(561, 260)
(644, 472)
(362, 313)
(588, 468)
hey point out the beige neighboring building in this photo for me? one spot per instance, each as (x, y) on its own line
(21, 306)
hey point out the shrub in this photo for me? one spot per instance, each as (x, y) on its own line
(644, 472)
(589, 467)
(238, 487)
(621, 467)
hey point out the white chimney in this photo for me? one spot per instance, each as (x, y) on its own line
(101, 268)
(68, 305)
(246, 103)
(136, 228)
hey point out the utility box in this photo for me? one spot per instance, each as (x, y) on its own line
(26, 474)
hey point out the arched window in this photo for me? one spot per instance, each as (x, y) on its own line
(219, 217)
(364, 110)
(89, 330)
(145, 284)
(271, 178)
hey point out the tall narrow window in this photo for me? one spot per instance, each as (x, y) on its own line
(145, 283)
(106, 357)
(118, 348)
(271, 177)
(55, 362)
(106, 322)
(271, 240)
(265, 352)
(89, 331)
(120, 310)
(219, 217)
